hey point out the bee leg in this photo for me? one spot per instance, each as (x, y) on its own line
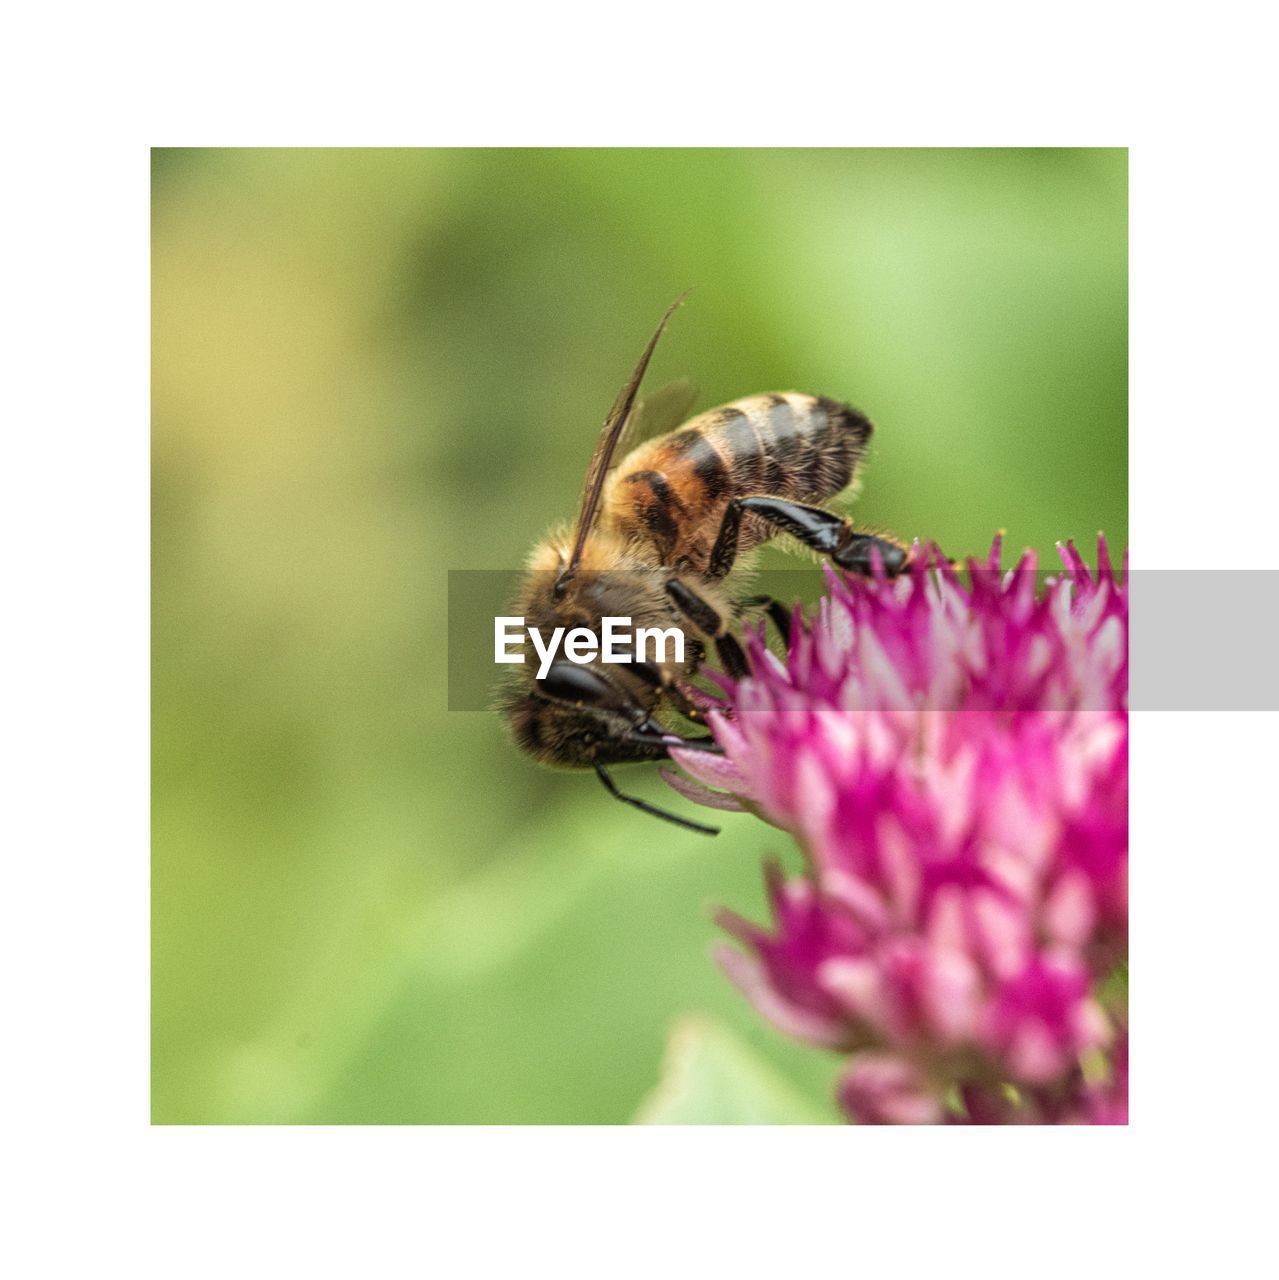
(658, 678)
(724, 552)
(829, 534)
(706, 618)
(776, 611)
(684, 704)
(643, 805)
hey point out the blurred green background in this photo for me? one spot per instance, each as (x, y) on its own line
(370, 367)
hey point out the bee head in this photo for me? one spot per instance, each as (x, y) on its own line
(576, 716)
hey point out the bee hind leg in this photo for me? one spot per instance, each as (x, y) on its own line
(829, 534)
(708, 619)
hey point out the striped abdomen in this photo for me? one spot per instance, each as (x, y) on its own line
(673, 490)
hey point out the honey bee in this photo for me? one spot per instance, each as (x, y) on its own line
(662, 539)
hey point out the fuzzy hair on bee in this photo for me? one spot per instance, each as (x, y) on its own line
(666, 538)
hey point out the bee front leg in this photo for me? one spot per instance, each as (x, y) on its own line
(708, 620)
(661, 679)
(644, 807)
(829, 534)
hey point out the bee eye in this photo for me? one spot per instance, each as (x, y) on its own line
(569, 682)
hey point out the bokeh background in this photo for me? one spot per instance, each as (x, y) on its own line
(370, 367)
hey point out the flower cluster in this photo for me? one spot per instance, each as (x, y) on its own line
(951, 753)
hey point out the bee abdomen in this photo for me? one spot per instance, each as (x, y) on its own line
(793, 446)
(674, 489)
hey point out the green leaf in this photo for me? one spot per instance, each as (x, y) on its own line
(711, 1077)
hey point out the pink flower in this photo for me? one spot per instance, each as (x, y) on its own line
(953, 760)
(884, 1088)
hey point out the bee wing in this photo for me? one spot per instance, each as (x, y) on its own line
(614, 425)
(667, 408)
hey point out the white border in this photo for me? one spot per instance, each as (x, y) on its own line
(89, 91)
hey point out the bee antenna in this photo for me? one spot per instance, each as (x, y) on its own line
(611, 787)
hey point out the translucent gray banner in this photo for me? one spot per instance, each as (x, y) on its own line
(1204, 640)
(1198, 640)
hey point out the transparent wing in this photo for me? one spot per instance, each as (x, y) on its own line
(614, 425)
(655, 415)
